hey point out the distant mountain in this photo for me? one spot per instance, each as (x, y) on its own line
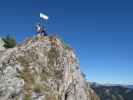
(113, 91)
(129, 86)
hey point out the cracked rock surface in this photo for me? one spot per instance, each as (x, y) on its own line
(42, 68)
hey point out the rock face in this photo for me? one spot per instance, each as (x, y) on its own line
(2, 45)
(42, 68)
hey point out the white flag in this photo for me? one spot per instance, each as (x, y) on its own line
(43, 16)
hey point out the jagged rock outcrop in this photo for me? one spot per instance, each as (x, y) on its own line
(42, 68)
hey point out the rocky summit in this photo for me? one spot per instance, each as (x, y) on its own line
(42, 68)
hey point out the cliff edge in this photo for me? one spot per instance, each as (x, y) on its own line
(42, 68)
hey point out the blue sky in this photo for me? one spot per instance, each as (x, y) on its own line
(100, 31)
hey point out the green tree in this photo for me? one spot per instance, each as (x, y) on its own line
(10, 42)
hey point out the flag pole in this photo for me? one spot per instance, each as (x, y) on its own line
(41, 21)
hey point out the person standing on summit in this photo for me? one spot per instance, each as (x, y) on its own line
(39, 27)
(40, 30)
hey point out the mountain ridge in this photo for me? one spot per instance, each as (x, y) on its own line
(113, 91)
(111, 84)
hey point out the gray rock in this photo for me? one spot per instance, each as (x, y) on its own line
(2, 45)
(42, 68)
